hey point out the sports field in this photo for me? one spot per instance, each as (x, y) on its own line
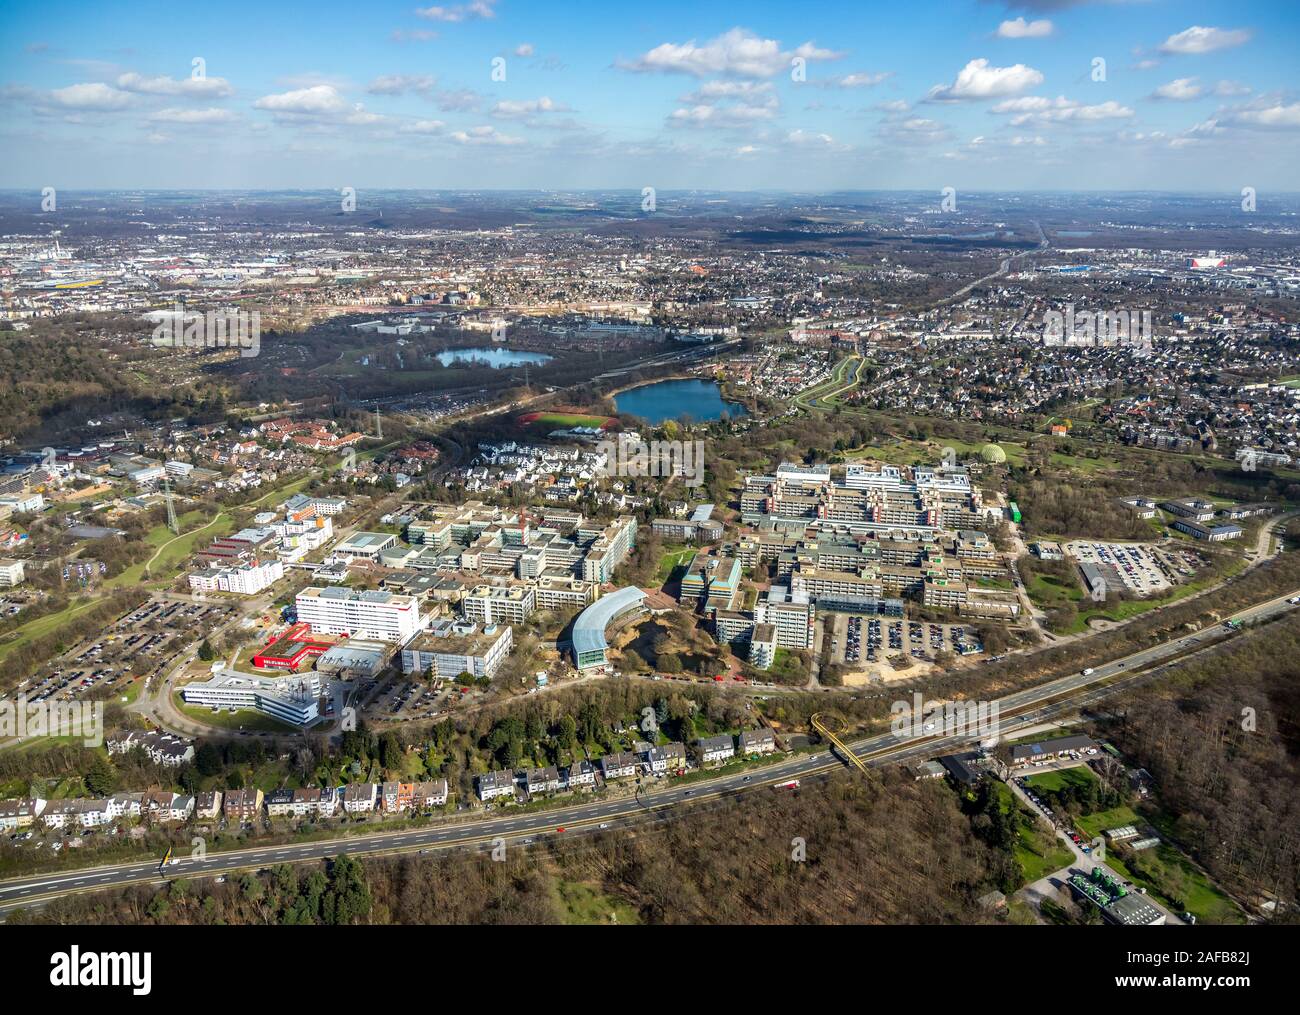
(557, 419)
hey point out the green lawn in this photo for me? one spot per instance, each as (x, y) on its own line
(565, 419)
(42, 626)
(1117, 817)
(1170, 877)
(584, 905)
(1051, 781)
(1048, 592)
(671, 560)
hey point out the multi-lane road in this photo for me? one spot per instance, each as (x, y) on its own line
(1019, 710)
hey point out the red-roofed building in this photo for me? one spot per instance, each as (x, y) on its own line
(290, 650)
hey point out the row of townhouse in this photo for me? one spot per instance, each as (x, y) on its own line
(245, 805)
(301, 803)
(160, 807)
(537, 781)
(672, 757)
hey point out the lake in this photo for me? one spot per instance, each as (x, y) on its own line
(493, 357)
(664, 400)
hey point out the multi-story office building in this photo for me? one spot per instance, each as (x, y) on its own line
(377, 615)
(791, 614)
(449, 649)
(609, 547)
(496, 604)
(245, 579)
(294, 701)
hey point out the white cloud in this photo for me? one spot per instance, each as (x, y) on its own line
(459, 12)
(463, 100)
(917, 130)
(1019, 28)
(194, 116)
(811, 139)
(720, 116)
(737, 53)
(713, 90)
(893, 106)
(979, 80)
(92, 96)
(524, 49)
(1041, 111)
(421, 127)
(483, 136)
(1197, 40)
(862, 80)
(1231, 89)
(1278, 116)
(205, 87)
(314, 101)
(508, 109)
(399, 84)
(1179, 90)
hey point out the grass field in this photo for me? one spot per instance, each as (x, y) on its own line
(42, 626)
(1063, 777)
(671, 561)
(587, 906)
(563, 420)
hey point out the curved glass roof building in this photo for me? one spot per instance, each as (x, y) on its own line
(589, 644)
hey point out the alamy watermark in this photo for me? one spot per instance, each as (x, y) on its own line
(215, 329)
(626, 459)
(24, 719)
(919, 718)
(1100, 328)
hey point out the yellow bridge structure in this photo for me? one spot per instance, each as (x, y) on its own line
(820, 724)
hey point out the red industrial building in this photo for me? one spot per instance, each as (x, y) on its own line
(290, 650)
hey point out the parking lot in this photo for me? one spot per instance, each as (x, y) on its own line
(135, 646)
(861, 641)
(1137, 567)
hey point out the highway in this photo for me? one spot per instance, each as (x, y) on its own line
(1021, 709)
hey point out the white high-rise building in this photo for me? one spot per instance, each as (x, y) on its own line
(374, 615)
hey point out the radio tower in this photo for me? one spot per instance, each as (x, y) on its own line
(172, 523)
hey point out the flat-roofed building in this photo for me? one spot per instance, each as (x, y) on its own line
(371, 614)
(365, 545)
(290, 700)
(494, 604)
(449, 648)
(762, 646)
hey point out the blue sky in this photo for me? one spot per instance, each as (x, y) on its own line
(975, 94)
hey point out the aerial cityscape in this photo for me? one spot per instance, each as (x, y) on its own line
(710, 464)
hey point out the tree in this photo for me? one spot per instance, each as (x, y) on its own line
(568, 732)
(101, 777)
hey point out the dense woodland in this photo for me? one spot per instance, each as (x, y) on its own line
(1222, 741)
